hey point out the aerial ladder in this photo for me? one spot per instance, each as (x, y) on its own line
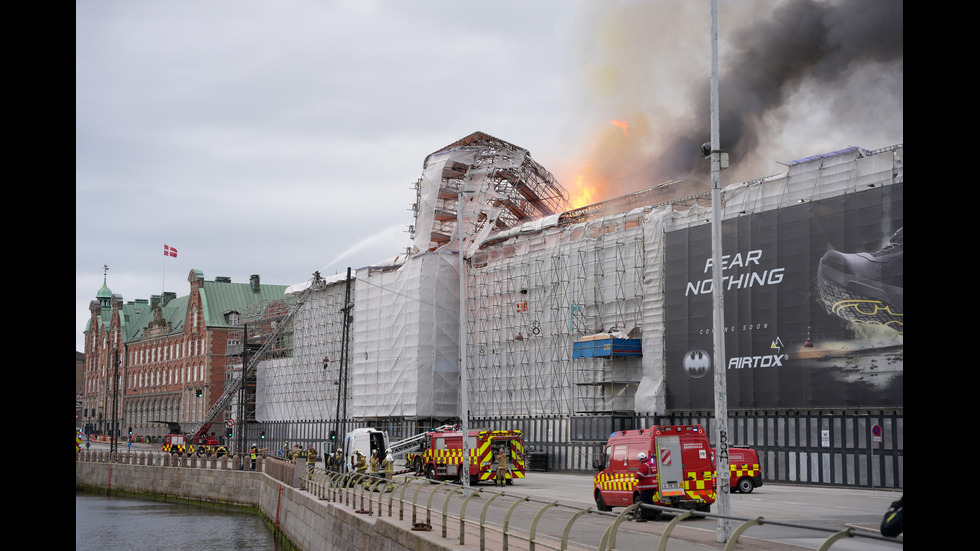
(235, 386)
(400, 448)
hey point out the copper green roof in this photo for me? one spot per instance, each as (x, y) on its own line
(218, 298)
(104, 292)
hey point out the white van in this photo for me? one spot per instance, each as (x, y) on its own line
(364, 440)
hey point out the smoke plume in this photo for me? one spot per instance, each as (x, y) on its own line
(795, 78)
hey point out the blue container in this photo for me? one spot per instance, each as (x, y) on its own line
(607, 348)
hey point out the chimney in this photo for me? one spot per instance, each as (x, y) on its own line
(168, 296)
(254, 281)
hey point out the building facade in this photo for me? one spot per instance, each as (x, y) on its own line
(814, 338)
(152, 365)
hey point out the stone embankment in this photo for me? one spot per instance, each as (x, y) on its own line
(307, 521)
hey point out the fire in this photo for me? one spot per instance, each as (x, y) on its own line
(621, 124)
(591, 187)
(585, 191)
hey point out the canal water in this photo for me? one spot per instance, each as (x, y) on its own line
(119, 523)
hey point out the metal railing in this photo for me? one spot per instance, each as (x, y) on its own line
(349, 489)
(372, 494)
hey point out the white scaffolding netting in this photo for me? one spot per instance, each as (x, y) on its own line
(532, 292)
(406, 345)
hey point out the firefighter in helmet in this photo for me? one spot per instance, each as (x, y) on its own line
(502, 466)
(310, 459)
(646, 484)
(389, 466)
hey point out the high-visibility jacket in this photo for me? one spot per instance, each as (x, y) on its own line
(646, 476)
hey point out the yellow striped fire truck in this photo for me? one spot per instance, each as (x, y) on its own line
(746, 472)
(202, 443)
(440, 455)
(681, 468)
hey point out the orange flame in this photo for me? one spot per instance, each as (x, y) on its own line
(585, 191)
(621, 124)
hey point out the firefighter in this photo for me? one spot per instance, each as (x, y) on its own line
(374, 464)
(646, 484)
(502, 466)
(311, 459)
(360, 464)
(389, 464)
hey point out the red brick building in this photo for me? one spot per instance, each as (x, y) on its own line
(150, 364)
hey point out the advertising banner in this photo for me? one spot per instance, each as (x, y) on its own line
(813, 302)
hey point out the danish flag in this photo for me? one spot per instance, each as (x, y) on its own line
(169, 251)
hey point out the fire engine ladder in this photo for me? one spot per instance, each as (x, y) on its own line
(402, 446)
(235, 386)
(201, 433)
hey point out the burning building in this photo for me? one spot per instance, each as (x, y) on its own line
(605, 310)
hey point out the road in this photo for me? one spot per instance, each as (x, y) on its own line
(830, 509)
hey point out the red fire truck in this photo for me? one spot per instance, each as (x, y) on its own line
(201, 443)
(440, 455)
(682, 462)
(746, 474)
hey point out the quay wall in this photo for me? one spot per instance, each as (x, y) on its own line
(306, 522)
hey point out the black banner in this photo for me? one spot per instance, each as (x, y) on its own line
(813, 302)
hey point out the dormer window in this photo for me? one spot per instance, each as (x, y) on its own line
(232, 318)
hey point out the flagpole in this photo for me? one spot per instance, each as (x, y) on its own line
(163, 281)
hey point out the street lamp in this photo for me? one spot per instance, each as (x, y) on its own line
(722, 472)
(466, 192)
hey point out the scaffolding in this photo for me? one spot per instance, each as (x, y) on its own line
(533, 290)
(511, 189)
(532, 297)
(300, 375)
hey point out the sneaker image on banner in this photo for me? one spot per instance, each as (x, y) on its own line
(865, 287)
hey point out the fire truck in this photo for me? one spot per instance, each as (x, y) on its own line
(746, 474)
(683, 463)
(202, 443)
(440, 454)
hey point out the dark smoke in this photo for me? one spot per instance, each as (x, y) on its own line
(806, 43)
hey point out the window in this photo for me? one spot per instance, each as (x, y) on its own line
(619, 454)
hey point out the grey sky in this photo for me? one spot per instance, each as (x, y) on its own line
(280, 138)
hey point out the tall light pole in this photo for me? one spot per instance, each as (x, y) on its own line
(723, 474)
(466, 192)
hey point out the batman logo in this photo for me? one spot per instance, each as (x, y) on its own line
(697, 363)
